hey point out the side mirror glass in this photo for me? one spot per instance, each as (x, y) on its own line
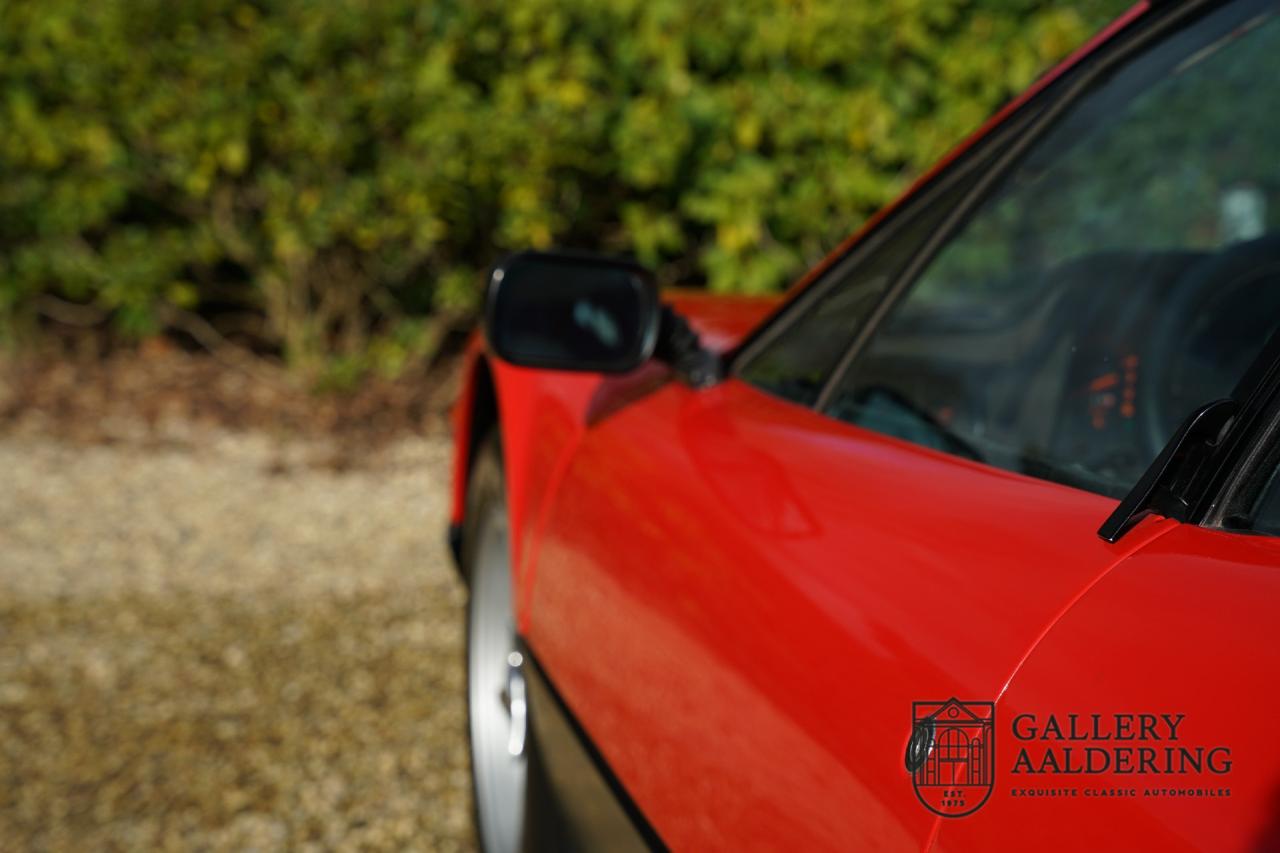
(565, 311)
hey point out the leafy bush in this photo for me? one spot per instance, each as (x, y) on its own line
(321, 178)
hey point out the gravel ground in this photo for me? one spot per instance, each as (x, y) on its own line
(216, 643)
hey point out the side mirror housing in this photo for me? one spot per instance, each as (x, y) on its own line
(568, 311)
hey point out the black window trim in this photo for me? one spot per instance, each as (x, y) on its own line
(901, 215)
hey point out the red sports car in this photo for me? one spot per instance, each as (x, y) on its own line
(969, 543)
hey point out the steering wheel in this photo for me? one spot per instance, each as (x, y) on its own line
(1218, 315)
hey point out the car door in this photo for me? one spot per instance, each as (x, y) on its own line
(741, 593)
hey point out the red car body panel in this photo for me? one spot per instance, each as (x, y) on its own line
(721, 321)
(1187, 625)
(784, 586)
(739, 600)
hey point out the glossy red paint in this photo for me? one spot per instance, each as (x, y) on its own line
(545, 415)
(1187, 626)
(740, 599)
(721, 321)
(724, 568)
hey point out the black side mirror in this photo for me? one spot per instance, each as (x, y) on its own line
(566, 311)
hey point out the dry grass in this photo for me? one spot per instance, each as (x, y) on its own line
(210, 642)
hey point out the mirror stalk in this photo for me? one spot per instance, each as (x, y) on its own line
(679, 346)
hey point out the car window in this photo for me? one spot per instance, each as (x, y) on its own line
(1125, 271)
(796, 363)
(1266, 514)
(797, 359)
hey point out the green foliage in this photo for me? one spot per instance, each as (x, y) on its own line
(310, 174)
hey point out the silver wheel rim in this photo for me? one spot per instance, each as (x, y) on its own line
(495, 692)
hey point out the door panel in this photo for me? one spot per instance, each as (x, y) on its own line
(1187, 626)
(740, 600)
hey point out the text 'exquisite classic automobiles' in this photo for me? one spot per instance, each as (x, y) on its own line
(968, 543)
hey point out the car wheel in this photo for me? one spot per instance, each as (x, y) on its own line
(496, 707)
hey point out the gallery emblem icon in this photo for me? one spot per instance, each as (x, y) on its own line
(951, 755)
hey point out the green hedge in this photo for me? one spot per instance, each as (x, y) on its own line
(322, 178)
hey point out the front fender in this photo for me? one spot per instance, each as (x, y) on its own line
(541, 416)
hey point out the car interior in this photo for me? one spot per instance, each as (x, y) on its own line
(1084, 376)
(1123, 273)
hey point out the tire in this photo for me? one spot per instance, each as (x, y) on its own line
(496, 707)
